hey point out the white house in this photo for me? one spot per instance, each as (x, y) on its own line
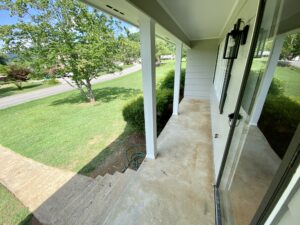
(206, 167)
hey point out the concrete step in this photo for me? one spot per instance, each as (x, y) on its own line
(131, 176)
(77, 208)
(49, 210)
(103, 204)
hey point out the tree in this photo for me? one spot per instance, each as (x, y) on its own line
(18, 74)
(291, 46)
(65, 34)
(2, 60)
(129, 47)
(163, 47)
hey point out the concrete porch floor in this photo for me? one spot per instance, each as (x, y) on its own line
(176, 188)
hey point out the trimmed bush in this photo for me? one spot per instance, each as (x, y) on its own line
(168, 81)
(133, 112)
(52, 81)
(279, 118)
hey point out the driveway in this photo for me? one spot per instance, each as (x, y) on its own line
(13, 100)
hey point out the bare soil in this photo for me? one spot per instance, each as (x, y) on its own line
(117, 161)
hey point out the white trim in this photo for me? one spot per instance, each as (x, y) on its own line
(267, 78)
(177, 77)
(284, 198)
(229, 17)
(205, 38)
(164, 6)
(147, 31)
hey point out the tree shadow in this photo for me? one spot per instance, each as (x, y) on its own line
(116, 155)
(109, 160)
(105, 95)
(7, 91)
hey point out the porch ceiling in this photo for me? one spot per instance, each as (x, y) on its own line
(129, 12)
(199, 19)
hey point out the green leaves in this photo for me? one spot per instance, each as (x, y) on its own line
(62, 34)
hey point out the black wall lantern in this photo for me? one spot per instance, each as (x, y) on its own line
(234, 39)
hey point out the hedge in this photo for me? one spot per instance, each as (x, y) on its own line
(133, 112)
(279, 118)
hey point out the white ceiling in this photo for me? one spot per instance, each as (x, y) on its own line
(199, 19)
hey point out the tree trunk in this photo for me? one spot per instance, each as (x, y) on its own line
(79, 86)
(19, 85)
(91, 95)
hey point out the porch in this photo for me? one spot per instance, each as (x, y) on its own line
(176, 188)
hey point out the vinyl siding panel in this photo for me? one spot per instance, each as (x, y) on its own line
(201, 61)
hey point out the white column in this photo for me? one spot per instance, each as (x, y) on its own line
(147, 31)
(267, 79)
(177, 77)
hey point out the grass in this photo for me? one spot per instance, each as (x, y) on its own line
(66, 132)
(11, 89)
(11, 210)
(290, 76)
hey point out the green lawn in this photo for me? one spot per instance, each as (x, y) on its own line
(12, 212)
(290, 76)
(66, 132)
(11, 89)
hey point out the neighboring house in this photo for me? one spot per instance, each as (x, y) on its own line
(250, 183)
(167, 57)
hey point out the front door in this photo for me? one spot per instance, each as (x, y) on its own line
(260, 133)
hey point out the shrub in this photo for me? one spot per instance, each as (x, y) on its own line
(279, 118)
(277, 87)
(18, 74)
(52, 81)
(168, 81)
(133, 112)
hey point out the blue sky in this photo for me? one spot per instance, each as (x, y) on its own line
(6, 19)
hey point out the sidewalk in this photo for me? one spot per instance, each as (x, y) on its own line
(45, 92)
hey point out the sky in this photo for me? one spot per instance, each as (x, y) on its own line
(6, 19)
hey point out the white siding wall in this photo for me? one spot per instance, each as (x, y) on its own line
(201, 61)
(247, 11)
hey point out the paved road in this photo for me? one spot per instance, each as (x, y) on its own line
(13, 100)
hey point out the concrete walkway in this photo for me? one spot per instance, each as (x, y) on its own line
(13, 100)
(174, 189)
(32, 182)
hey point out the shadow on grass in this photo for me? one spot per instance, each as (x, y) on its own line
(113, 157)
(106, 94)
(109, 160)
(7, 91)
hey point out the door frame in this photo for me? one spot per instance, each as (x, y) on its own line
(290, 161)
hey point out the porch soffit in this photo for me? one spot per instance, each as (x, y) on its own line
(130, 10)
(200, 19)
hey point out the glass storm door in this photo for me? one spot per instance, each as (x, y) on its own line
(256, 145)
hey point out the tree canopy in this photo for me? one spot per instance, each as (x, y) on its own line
(65, 35)
(291, 46)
